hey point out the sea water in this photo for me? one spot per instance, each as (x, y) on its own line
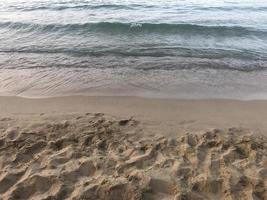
(168, 49)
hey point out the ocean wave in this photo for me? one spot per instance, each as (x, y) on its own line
(155, 51)
(67, 59)
(229, 8)
(79, 7)
(59, 7)
(130, 6)
(125, 28)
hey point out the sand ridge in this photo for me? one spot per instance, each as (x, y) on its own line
(96, 156)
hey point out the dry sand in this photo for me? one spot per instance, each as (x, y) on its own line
(132, 148)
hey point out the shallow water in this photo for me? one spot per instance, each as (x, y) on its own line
(177, 49)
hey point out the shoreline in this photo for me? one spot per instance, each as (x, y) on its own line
(176, 84)
(170, 98)
(170, 116)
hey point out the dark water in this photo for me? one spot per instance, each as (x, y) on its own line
(177, 49)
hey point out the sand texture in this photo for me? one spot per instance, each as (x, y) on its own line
(97, 156)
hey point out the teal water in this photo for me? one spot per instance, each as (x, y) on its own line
(179, 49)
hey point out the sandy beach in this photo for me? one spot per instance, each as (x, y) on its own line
(132, 148)
(133, 100)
